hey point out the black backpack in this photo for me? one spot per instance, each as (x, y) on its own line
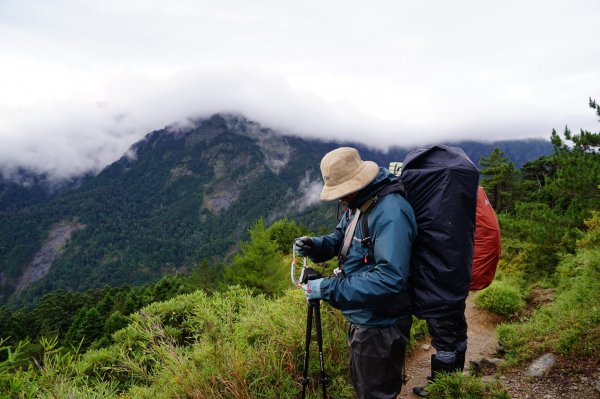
(440, 183)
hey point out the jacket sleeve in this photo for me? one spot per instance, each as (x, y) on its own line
(326, 247)
(392, 226)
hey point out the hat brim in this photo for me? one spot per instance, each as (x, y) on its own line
(360, 180)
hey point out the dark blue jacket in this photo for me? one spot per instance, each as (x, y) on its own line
(373, 292)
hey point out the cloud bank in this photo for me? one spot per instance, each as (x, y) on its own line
(81, 82)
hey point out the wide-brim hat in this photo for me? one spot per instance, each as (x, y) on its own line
(344, 172)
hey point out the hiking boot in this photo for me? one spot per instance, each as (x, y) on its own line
(420, 392)
(460, 360)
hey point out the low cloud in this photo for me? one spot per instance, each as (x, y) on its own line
(82, 81)
(308, 194)
(74, 136)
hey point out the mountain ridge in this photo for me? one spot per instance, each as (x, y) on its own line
(179, 196)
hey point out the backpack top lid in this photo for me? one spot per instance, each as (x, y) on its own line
(440, 156)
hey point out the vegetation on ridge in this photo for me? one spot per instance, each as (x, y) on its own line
(176, 199)
(238, 342)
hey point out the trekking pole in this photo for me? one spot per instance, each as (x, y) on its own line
(317, 309)
(313, 309)
(309, 319)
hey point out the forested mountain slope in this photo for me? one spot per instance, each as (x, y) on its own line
(243, 337)
(179, 196)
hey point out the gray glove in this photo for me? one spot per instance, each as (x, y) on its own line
(304, 246)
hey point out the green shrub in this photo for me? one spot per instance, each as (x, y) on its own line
(533, 239)
(245, 346)
(229, 344)
(418, 331)
(569, 325)
(259, 264)
(460, 386)
(591, 239)
(501, 297)
(283, 232)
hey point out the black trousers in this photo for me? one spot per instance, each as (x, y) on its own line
(377, 359)
(448, 334)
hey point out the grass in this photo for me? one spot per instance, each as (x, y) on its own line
(460, 386)
(571, 324)
(231, 344)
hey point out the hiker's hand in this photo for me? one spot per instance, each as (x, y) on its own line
(304, 246)
(312, 289)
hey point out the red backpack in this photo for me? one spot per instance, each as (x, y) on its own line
(487, 243)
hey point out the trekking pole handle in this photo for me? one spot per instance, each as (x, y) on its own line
(297, 282)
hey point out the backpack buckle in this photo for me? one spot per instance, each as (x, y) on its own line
(366, 242)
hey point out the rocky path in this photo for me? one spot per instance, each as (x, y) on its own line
(482, 343)
(567, 380)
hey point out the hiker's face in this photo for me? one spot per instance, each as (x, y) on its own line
(345, 200)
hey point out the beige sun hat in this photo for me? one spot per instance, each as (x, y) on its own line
(344, 172)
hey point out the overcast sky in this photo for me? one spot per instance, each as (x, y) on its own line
(82, 80)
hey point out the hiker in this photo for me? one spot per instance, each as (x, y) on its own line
(446, 218)
(441, 184)
(370, 286)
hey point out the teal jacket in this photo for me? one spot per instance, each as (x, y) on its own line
(373, 291)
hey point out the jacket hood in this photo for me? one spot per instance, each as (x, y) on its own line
(382, 179)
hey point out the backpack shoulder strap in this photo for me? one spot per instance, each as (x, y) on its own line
(362, 214)
(397, 187)
(351, 228)
(348, 234)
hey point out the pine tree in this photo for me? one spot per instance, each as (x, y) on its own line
(259, 263)
(576, 187)
(284, 231)
(500, 179)
(92, 327)
(115, 322)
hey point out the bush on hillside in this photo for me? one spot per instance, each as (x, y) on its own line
(501, 297)
(283, 232)
(229, 344)
(591, 239)
(571, 324)
(532, 239)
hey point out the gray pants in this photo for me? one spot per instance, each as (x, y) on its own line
(377, 359)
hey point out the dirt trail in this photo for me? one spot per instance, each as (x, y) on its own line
(482, 343)
(569, 379)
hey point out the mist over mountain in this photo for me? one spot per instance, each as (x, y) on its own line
(24, 188)
(180, 196)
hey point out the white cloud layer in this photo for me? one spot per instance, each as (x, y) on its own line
(80, 81)
(309, 194)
